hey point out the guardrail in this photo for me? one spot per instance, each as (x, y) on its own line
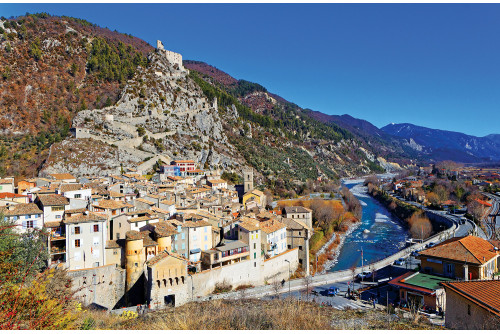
(336, 276)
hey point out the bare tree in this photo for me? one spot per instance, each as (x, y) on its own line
(276, 286)
(420, 226)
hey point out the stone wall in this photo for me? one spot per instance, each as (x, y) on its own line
(245, 272)
(101, 286)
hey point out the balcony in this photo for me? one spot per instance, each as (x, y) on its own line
(57, 250)
(57, 236)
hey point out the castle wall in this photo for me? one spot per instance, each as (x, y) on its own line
(275, 268)
(103, 286)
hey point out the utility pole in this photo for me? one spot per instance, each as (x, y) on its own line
(289, 275)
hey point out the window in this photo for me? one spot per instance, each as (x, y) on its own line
(468, 309)
(254, 245)
(79, 196)
(117, 235)
(205, 229)
(300, 233)
(136, 264)
(255, 264)
(57, 208)
(182, 236)
(58, 216)
(183, 246)
(115, 252)
(96, 228)
(300, 247)
(119, 224)
(254, 255)
(77, 230)
(77, 243)
(96, 264)
(206, 238)
(29, 224)
(27, 217)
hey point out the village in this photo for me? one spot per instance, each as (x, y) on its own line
(184, 233)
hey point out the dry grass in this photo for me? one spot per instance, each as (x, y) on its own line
(251, 314)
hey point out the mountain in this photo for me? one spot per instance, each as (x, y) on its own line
(447, 145)
(52, 67)
(136, 106)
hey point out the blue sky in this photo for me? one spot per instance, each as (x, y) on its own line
(434, 65)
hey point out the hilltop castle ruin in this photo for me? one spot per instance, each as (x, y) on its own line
(173, 57)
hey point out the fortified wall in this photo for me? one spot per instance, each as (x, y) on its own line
(100, 286)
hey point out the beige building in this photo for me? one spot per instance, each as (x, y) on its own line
(299, 213)
(298, 235)
(167, 281)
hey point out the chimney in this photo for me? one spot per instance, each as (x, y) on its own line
(466, 272)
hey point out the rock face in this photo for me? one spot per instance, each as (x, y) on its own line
(161, 113)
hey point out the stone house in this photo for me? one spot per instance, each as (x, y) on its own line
(298, 235)
(472, 305)
(298, 213)
(167, 281)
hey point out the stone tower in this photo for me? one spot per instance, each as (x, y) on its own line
(135, 258)
(247, 180)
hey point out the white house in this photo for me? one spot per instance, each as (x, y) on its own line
(79, 197)
(274, 235)
(53, 207)
(24, 216)
(85, 240)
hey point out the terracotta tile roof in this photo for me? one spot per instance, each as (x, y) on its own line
(294, 224)
(270, 226)
(83, 218)
(115, 194)
(153, 261)
(217, 181)
(63, 176)
(167, 202)
(111, 204)
(11, 195)
(296, 209)
(483, 293)
(249, 224)
(142, 200)
(133, 235)
(142, 219)
(470, 249)
(112, 244)
(53, 199)
(183, 161)
(20, 209)
(71, 211)
(53, 224)
(70, 187)
(164, 229)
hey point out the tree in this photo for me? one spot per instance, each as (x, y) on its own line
(420, 226)
(23, 255)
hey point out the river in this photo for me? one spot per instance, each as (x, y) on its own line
(387, 234)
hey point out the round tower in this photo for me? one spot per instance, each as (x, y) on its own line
(134, 257)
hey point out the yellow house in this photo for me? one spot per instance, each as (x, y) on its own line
(254, 195)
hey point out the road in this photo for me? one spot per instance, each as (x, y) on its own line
(491, 219)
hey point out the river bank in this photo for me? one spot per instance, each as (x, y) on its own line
(386, 233)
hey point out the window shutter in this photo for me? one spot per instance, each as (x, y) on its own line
(24, 224)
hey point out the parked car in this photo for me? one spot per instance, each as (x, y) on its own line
(315, 292)
(332, 291)
(365, 274)
(414, 253)
(400, 262)
(430, 244)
